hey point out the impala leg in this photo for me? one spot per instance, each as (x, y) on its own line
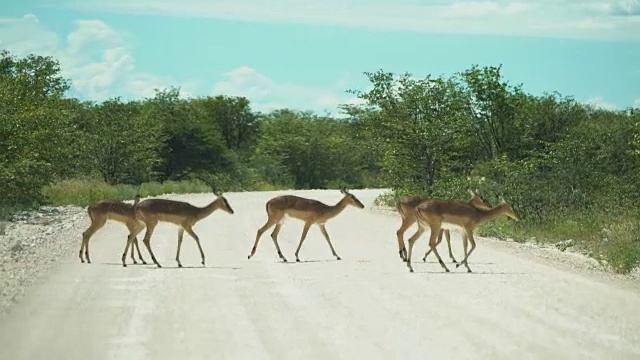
(85, 240)
(473, 246)
(261, 231)
(406, 223)
(433, 244)
(274, 237)
(412, 241)
(86, 250)
(424, 259)
(138, 230)
(190, 231)
(132, 229)
(130, 238)
(147, 241)
(180, 236)
(465, 243)
(132, 250)
(96, 224)
(448, 235)
(326, 236)
(137, 245)
(305, 230)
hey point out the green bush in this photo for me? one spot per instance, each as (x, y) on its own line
(620, 249)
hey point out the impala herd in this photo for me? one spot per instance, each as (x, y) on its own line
(440, 216)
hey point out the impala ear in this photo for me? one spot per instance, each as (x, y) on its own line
(502, 200)
(471, 192)
(343, 190)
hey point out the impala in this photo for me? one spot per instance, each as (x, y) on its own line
(446, 214)
(406, 207)
(308, 210)
(183, 214)
(119, 211)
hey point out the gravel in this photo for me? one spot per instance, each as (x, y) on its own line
(31, 243)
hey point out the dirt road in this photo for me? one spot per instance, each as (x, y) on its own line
(366, 306)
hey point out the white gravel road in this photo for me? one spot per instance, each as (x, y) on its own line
(520, 303)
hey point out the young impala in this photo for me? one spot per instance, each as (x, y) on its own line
(406, 207)
(116, 210)
(447, 214)
(183, 214)
(308, 210)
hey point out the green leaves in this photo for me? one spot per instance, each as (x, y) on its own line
(123, 141)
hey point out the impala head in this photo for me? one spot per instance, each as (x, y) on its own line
(508, 209)
(352, 199)
(478, 201)
(222, 203)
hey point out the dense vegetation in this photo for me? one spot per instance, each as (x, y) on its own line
(571, 170)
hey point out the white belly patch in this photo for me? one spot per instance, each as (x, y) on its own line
(450, 226)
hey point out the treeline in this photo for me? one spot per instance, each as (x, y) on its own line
(571, 170)
(48, 137)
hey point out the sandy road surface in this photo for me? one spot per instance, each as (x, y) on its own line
(367, 306)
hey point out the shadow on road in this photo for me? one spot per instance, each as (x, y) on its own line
(152, 266)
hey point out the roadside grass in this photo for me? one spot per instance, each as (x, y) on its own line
(82, 192)
(610, 236)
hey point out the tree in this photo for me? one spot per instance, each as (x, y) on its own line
(192, 142)
(232, 116)
(125, 141)
(419, 126)
(35, 133)
(492, 106)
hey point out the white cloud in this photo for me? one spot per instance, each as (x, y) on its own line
(94, 56)
(267, 94)
(597, 19)
(600, 102)
(101, 65)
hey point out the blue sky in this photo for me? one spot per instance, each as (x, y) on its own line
(304, 54)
